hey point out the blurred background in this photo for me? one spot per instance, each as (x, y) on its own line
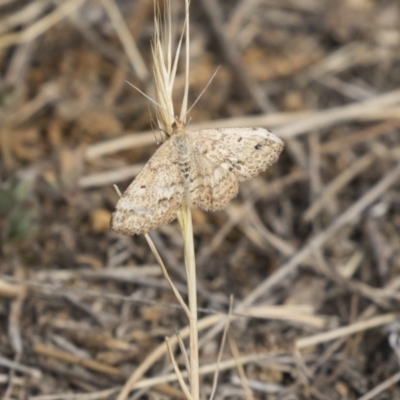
(310, 245)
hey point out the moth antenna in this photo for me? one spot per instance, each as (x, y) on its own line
(202, 92)
(117, 190)
(158, 129)
(153, 125)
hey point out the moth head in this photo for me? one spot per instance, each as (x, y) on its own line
(178, 126)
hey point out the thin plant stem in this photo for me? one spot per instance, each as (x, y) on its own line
(188, 243)
(177, 371)
(221, 349)
(185, 220)
(165, 273)
(183, 350)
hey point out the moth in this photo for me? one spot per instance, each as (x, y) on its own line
(200, 169)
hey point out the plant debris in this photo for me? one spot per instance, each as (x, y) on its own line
(310, 249)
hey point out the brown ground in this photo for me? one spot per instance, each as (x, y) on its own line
(309, 247)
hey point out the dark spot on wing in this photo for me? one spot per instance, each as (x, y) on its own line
(143, 187)
(240, 139)
(258, 146)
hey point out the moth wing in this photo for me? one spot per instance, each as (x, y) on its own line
(153, 198)
(213, 185)
(244, 151)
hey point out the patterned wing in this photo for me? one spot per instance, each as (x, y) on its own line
(153, 198)
(244, 151)
(212, 186)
